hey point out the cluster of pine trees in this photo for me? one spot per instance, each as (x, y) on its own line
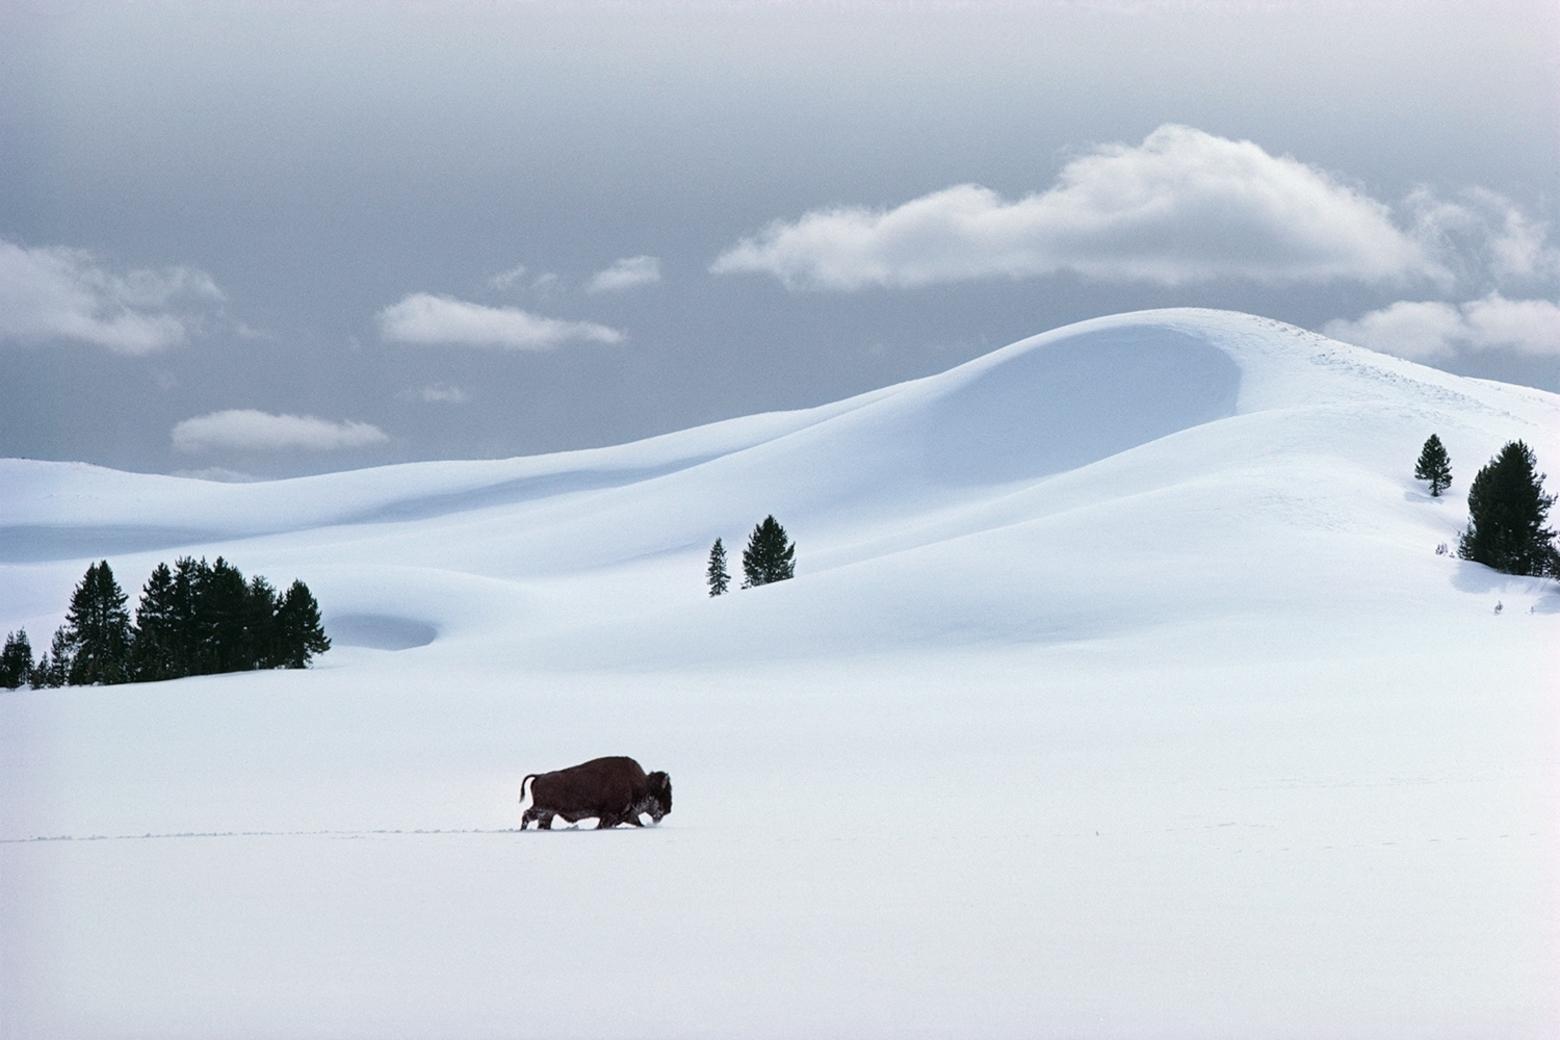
(195, 618)
(1507, 509)
(770, 556)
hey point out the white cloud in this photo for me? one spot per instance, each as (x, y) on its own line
(505, 280)
(436, 393)
(627, 273)
(1422, 330)
(1183, 206)
(57, 293)
(246, 429)
(1484, 238)
(1426, 330)
(428, 318)
(1525, 326)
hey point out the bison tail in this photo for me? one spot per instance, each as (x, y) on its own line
(526, 799)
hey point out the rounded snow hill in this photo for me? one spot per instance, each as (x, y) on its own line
(1173, 441)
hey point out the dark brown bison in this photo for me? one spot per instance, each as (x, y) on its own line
(614, 790)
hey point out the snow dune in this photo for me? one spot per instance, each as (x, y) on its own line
(1121, 692)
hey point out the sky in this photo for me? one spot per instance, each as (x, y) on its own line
(260, 240)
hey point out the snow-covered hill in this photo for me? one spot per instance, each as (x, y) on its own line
(1121, 692)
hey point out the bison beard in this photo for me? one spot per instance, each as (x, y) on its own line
(613, 790)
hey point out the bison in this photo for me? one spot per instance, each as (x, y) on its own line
(614, 790)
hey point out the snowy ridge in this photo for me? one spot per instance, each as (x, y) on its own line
(1120, 422)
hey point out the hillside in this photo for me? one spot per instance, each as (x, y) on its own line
(1120, 692)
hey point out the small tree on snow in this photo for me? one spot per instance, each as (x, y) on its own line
(716, 574)
(60, 655)
(1435, 466)
(16, 661)
(1507, 508)
(299, 633)
(99, 629)
(769, 556)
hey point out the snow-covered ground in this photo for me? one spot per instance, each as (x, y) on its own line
(1120, 693)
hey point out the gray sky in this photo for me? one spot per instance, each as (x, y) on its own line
(283, 238)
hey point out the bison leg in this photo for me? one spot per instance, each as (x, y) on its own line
(608, 820)
(544, 821)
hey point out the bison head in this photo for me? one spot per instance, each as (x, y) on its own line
(659, 786)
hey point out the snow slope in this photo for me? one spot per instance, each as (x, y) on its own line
(1120, 692)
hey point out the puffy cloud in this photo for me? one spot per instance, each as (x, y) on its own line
(1183, 206)
(1422, 330)
(246, 429)
(1525, 326)
(429, 318)
(627, 273)
(1484, 238)
(57, 293)
(1427, 330)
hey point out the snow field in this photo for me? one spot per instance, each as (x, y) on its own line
(1120, 693)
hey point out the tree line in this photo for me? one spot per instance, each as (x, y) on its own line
(1507, 509)
(194, 618)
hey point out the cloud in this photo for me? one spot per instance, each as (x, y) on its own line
(57, 293)
(246, 429)
(1428, 330)
(1183, 206)
(628, 273)
(547, 284)
(436, 393)
(521, 278)
(505, 280)
(1484, 238)
(428, 318)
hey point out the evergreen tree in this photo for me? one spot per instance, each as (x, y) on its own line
(260, 628)
(41, 672)
(221, 613)
(16, 661)
(153, 647)
(100, 629)
(299, 633)
(1435, 466)
(61, 654)
(1507, 508)
(716, 575)
(185, 634)
(769, 556)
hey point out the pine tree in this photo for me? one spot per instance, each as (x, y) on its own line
(153, 647)
(41, 672)
(188, 576)
(298, 630)
(16, 661)
(221, 612)
(61, 655)
(1507, 508)
(260, 607)
(769, 556)
(100, 629)
(716, 575)
(1435, 466)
